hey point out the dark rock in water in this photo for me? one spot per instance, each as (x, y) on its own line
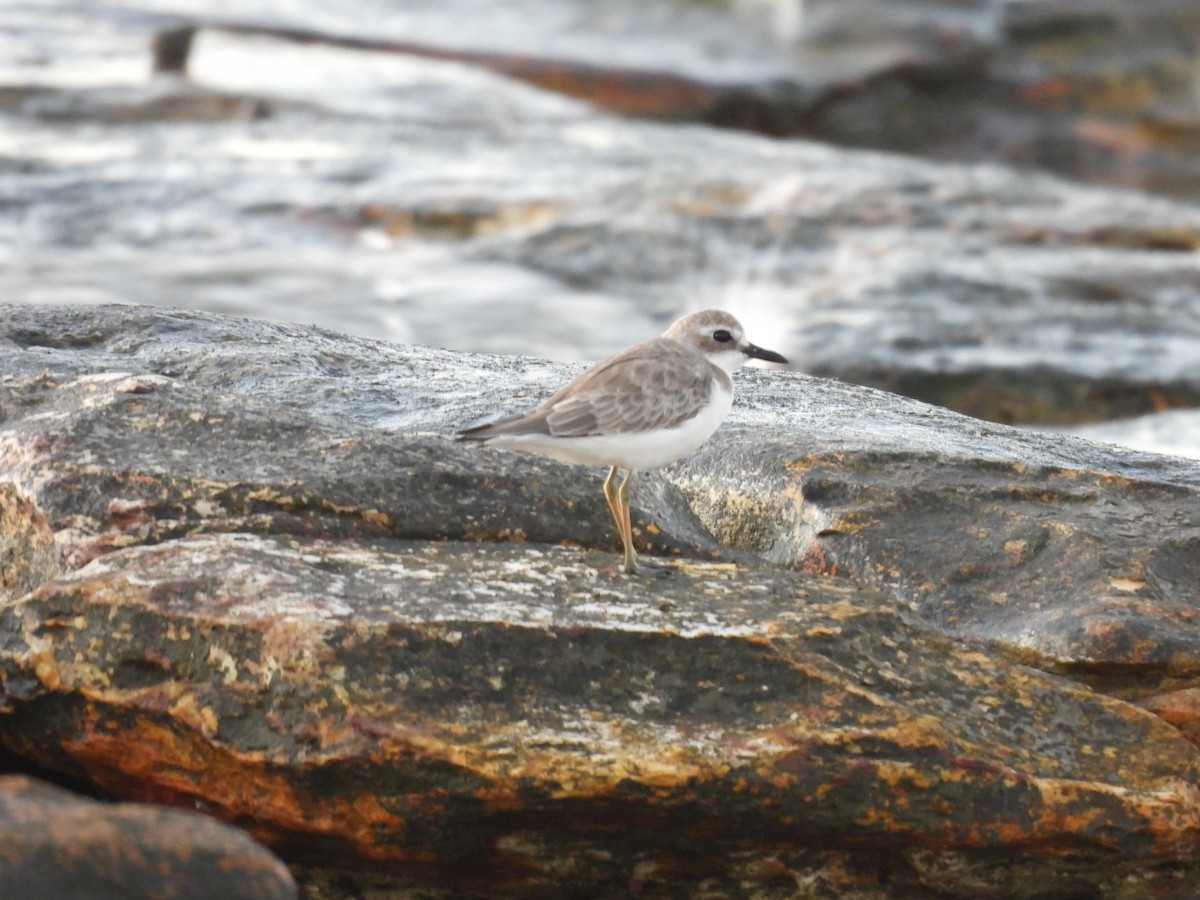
(171, 48)
(59, 846)
(290, 597)
(1097, 91)
(176, 102)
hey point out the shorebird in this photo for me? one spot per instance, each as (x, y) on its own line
(641, 409)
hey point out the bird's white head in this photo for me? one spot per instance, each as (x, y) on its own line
(721, 338)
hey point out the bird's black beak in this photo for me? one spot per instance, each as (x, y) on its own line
(759, 353)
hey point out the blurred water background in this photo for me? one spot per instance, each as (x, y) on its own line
(987, 204)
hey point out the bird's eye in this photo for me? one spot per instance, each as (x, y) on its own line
(721, 336)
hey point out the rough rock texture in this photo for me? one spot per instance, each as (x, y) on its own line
(127, 456)
(496, 714)
(1079, 557)
(55, 845)
(28, 555)
(291, 598)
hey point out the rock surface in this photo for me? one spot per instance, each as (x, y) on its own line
(289, 596)
(28, 555)
(55, 845)
(494, 715)
(1081, 557)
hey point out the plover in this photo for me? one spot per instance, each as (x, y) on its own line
(641, 409)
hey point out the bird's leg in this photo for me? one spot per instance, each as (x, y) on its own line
(610, 494)
(626, 527)
(618, 505)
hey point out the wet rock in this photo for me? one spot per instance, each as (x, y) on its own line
(1079, 557)
(292, 598)
(1096, 91)
(57, 845)
(1093, 90)
(165, 102)
(510, 719)
(130, 426)
(231, 425)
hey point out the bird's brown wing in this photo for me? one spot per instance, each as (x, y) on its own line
(656, 384)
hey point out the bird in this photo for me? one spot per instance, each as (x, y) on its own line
(641, 409)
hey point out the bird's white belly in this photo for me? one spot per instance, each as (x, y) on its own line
(632, 449)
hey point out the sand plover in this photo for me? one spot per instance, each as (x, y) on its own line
(641, 409)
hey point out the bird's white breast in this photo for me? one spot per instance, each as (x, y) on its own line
(635, 450)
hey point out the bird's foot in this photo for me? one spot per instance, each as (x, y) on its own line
(638, 566)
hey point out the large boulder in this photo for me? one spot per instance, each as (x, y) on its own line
(525, 719)
(287, 596)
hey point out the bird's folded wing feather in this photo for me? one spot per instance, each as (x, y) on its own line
(654, 385)
(638, 395)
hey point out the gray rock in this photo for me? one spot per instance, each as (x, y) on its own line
(230, 425)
